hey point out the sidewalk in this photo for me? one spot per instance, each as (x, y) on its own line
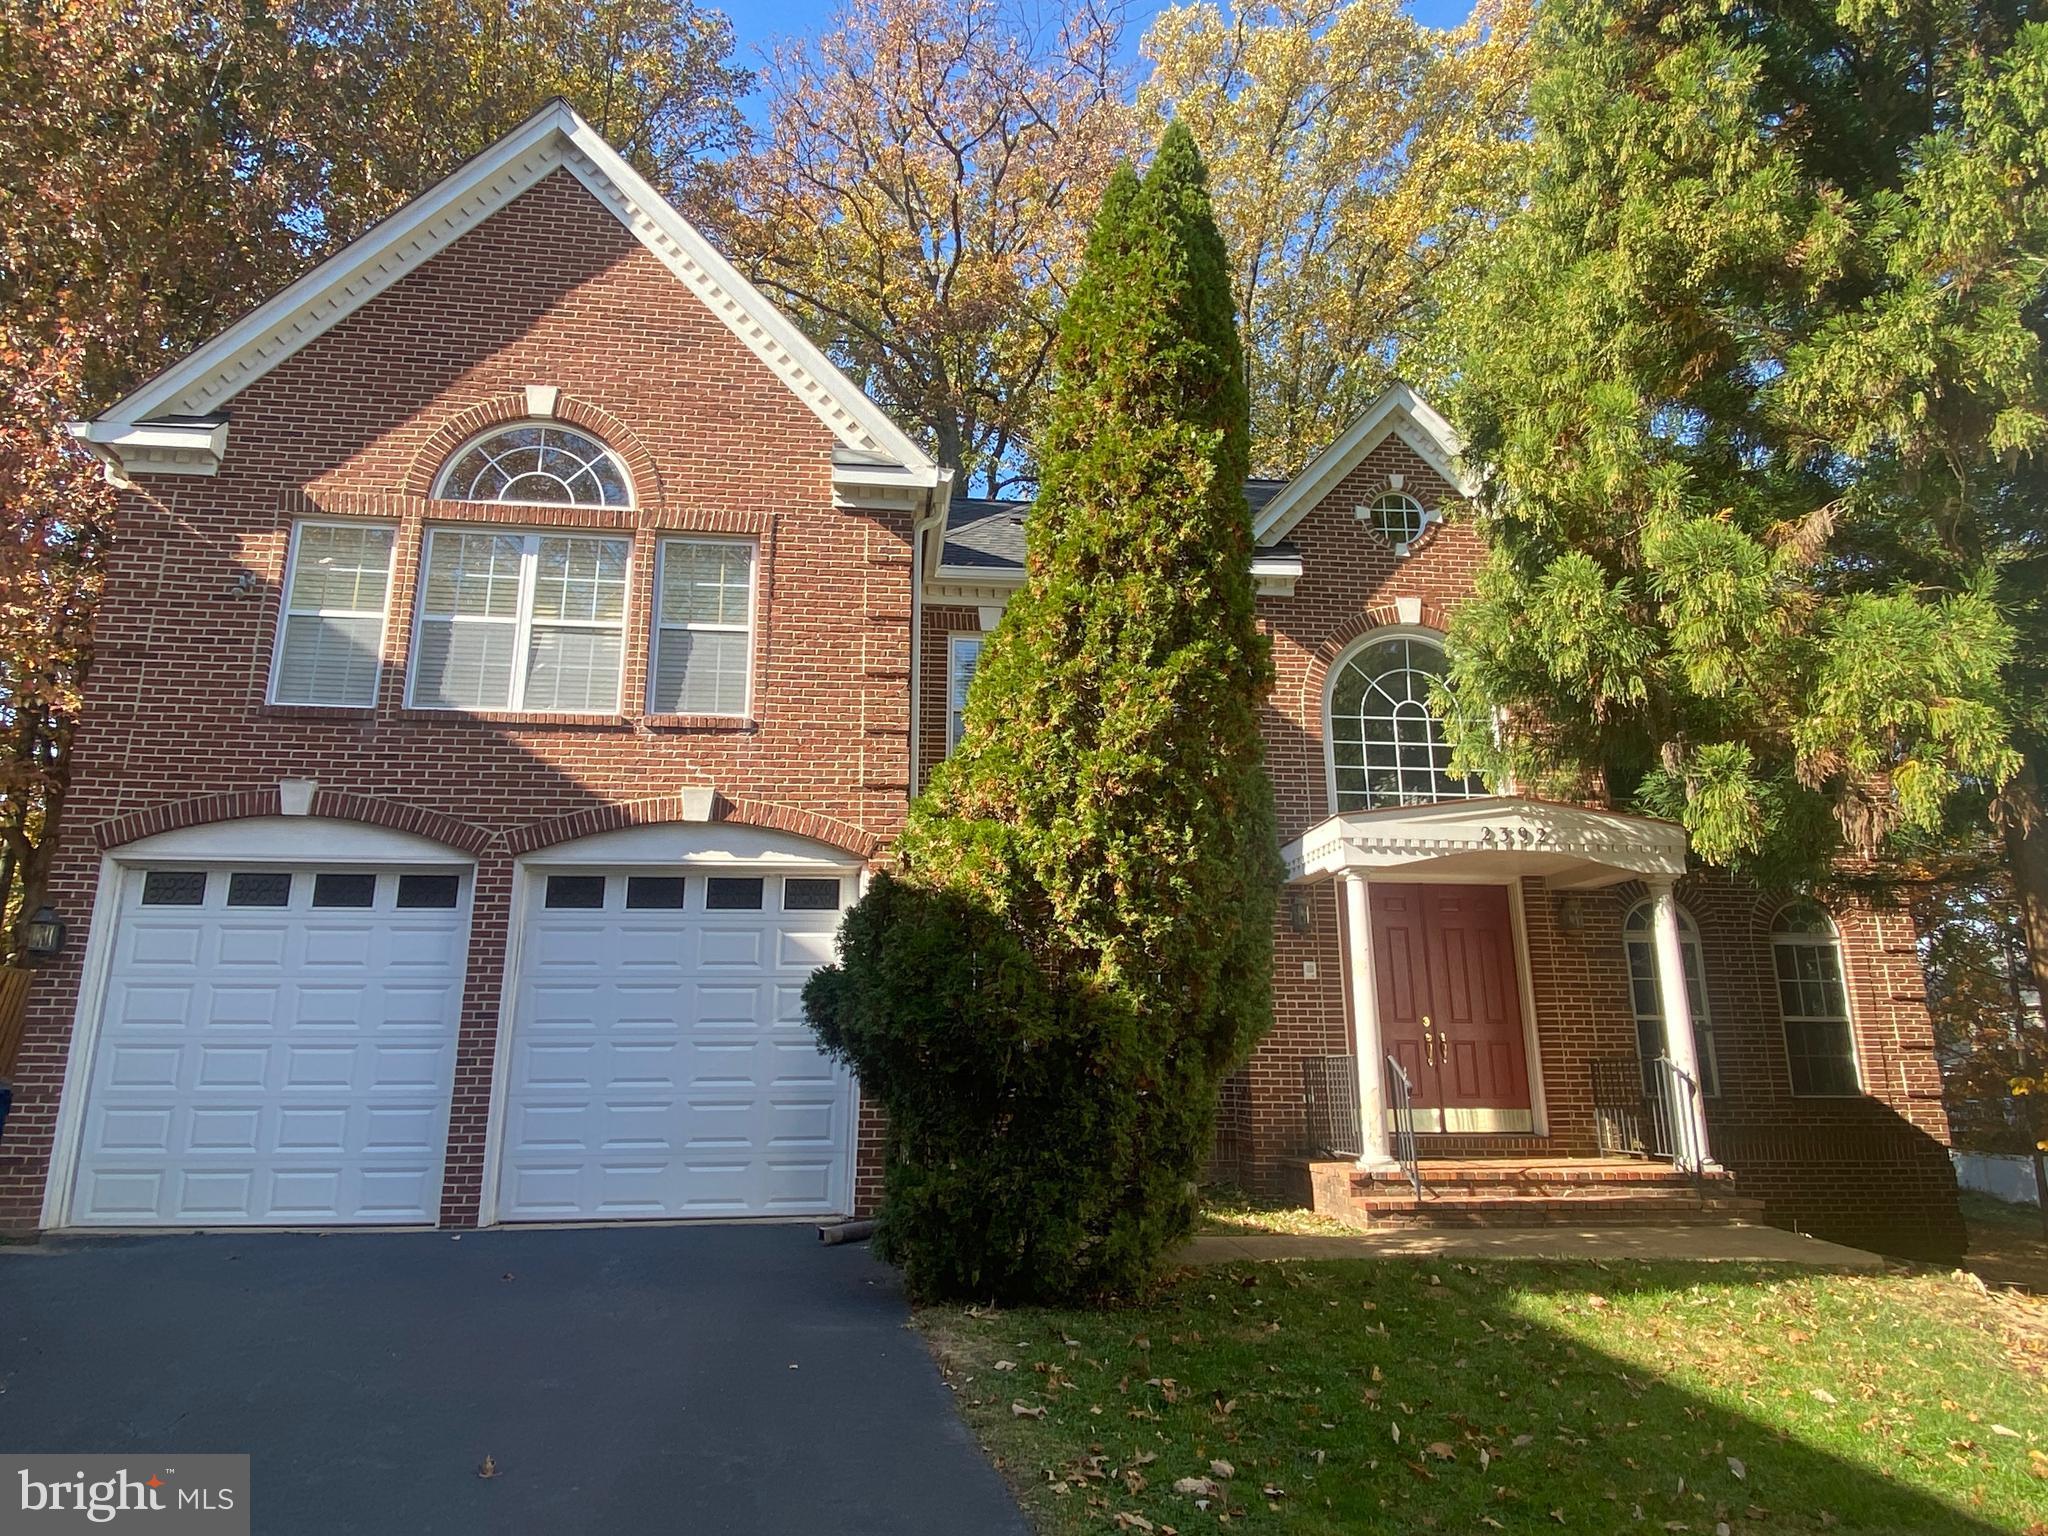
(1735, 1241)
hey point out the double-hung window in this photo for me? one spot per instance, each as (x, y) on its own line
(963, 655)
(703, 628)
(330, 634)
(521, 621)
(1813, 999)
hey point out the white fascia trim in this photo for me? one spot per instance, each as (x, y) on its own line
(1398, 412)
(1495, 824)
(554, 137)
(1275, 575)
(154, 447)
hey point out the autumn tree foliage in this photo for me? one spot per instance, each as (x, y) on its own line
(1756, 380)
(164, 166)
(919, 201)
(1353, 154)
(1077, 945)
(54, 515)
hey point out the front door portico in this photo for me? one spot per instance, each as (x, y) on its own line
(1449, 1004)
(1433, 983)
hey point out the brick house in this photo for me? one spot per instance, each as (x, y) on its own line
(520, 643)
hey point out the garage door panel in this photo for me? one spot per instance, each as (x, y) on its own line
(683, 1059)
(287, 1066)
(172, 945)
(726, 949)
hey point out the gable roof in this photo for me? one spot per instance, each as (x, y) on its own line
(1399, 412)
(174, 424)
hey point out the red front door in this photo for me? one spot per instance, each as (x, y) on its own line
(1450, 1011)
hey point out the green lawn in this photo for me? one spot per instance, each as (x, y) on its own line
(1404, 1396)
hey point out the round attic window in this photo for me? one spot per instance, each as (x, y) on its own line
(1398, 517)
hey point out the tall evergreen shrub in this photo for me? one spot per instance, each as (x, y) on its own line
(1076, 948)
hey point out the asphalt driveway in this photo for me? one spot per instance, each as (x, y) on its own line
(724, 1380)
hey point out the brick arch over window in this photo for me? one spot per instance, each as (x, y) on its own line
(334, 805)
(1316, 680)
(500, 410)
(766, 814)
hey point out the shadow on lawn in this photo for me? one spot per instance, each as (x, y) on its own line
(1380, 1401)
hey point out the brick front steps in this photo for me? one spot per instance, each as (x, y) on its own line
(1522, 1192)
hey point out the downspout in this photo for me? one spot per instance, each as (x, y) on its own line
(940, 497)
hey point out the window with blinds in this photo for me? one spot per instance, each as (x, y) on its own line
(703, 629)
(521, 621)
(963, 655)
(331, 630)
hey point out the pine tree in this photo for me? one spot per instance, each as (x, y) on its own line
(1757, 376)
(1077, 947)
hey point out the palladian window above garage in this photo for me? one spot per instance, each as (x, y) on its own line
(537, 464)
(521, 621)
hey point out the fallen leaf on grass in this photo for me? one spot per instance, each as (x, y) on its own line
(1222, 1469)
(1198, 1488)
(1124, 1520)
(1442, 1450)
(1006, 1365)
(1735, 1466)
(1823, 1395)
(1025, 1411)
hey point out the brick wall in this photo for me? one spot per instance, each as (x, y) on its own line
(1871, 1170)
(551, 291)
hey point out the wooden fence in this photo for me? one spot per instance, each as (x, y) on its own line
(13, 1011)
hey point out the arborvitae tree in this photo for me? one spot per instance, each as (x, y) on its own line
(1076, 948)
(1759, 381)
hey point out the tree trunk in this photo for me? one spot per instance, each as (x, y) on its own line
(2026, 855)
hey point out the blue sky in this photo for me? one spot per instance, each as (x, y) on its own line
(758, 23)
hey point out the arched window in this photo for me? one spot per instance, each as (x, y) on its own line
(1813, 999)
(1386, 747)
(537, 464)
(1639, 938)
(1397, 517)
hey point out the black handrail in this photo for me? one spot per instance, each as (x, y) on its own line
(1401, 1124)
(1648, 1110)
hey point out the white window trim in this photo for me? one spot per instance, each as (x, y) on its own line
(1703, 1014)
(522, 622)
(657, 624)
(286, 613)
(1847, 1020)
(1344, 659)
(956, 724)
(618, 462)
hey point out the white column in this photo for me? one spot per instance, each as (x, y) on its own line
(1375, 1155)
(1691, 1131)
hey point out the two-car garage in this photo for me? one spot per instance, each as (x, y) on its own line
(272, 1015)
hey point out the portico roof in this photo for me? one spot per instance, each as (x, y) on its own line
(1569, 847)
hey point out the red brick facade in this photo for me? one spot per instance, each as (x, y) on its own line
(554, 291)
(551, 290)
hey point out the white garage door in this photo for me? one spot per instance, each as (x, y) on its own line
(277, 1048)
(659, 1064)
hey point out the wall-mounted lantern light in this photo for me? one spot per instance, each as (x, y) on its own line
(1571, 914)
(44, 935)
(1300, 912)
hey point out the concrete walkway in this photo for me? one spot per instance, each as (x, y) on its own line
(1736, 1241)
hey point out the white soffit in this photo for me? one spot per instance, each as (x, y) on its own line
(554, 138)
(1400, 412)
